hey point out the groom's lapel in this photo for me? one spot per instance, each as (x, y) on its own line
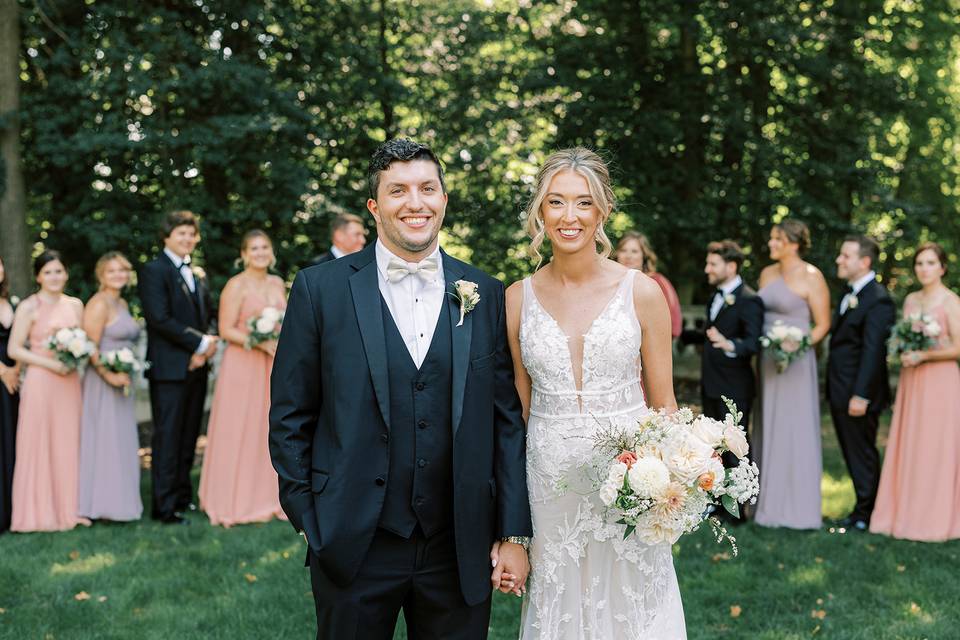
(461, 336)
(365, 289)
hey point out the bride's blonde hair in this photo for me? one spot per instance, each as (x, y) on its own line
(594, 170)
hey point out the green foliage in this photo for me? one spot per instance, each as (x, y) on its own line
(719, 118)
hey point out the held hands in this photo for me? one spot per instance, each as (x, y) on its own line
(197, 360)
(212, 349)
(268, 346)
(10, 378)
(510, 568)
(913, 358)
(116, 379)
(857, 407)
(718, 340)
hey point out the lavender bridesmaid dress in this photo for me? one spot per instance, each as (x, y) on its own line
(789, 443)
(109, 464)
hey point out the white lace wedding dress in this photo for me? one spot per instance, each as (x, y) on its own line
(586, 581)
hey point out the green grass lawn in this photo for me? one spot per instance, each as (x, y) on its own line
(148, 581)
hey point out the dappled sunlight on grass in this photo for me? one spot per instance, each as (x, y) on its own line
(291, 550)
(837, 495)
(808, 575)
(87, 565)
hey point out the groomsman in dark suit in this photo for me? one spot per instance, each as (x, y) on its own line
(731, 338)
(178, 310)
(395, 425)
(858, 388)
(347, 235)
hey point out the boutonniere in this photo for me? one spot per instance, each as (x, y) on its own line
(466, 294)
(14, 301)
(198, 272)
(853, 301)
(729, 299)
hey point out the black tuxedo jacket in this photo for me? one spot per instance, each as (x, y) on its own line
(741, 322)
(326, 256)
(330, 419)
(176, 318)
(858, 350)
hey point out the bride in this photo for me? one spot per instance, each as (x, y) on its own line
(582, 330)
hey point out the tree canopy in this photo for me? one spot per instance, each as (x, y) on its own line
(718, 118)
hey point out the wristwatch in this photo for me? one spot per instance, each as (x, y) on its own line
(523, 541)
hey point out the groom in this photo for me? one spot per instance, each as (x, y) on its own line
(858, 388)
(395, 426)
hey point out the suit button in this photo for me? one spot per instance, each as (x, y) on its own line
(422, 424)
(421, 463)
(384, 437)
(420, 501)
(380, 481)
(420, 386)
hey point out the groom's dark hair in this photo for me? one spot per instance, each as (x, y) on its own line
(728, 250)
(867, 248)
(399, 150)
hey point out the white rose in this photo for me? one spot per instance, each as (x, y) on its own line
(466, 288)
(608, 494)
(736, 440)
(688, 458)
(77, 347)
(779, 331)
(271, 313)
(648, 477)
(266, 325)
(708, 431)
(932, 329)
(617, 473)
(125, 356)
(64, 336)
(794, 333)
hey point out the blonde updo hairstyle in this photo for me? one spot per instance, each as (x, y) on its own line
(594, 170)
(101, 267)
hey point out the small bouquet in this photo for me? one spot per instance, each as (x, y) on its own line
(120, 361)
(785, 343)
(667, 474)
(71, 346)
(264, 327)
(916, 332)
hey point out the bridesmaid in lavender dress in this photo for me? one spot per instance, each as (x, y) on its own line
(795, 293)
(109, 464)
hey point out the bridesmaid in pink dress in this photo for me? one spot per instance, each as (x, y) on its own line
(634, 251)
(48, 432)
(919, 496)
(237, 482)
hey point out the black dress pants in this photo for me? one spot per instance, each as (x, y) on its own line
(858, 442)
(418, 575)
(177, 411)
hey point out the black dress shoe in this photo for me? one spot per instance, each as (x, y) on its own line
(173, 518)
(853, 523)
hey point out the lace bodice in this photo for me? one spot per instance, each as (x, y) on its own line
(610, 382)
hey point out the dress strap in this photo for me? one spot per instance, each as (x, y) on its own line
(626, 291)
(528, 297)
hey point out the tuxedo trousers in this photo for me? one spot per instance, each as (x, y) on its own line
(716, 409)
(177, 411)
(417, 575)
(858, 442)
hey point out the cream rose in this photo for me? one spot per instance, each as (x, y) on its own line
(270, 312)
(688, 459)
(708, 431)
(266, 325)
(736, 440)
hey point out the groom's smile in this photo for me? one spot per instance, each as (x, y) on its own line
(409, 208)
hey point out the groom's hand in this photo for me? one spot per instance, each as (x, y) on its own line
(514, 566)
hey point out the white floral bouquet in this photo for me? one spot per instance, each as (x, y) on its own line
(667, 472)
(916, 332)
(121, 361)
(71, 346)
(785, 344)
(264, 327)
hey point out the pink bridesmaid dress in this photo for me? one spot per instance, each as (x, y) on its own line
(237, 482)
(46, 476)
(919, 495)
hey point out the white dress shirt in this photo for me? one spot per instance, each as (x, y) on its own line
(187, 274)
(857, 287)
(725, 290)
(414, 303)
(335, 251)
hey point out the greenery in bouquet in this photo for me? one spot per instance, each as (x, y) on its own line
(785, 344)
(916, 332)
(264, 327)
(71, 346)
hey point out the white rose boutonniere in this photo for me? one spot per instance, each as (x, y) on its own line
(853, 301)
(198, 272)
(729, 299)
(466, 294)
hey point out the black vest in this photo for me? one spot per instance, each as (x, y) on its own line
(420, 480)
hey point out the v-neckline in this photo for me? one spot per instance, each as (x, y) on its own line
(578, 385)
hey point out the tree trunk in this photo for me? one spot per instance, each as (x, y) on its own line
(13, 214)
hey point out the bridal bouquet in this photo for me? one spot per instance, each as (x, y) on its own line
(785, 343)
(72, 347)
(667, 472)
(120, 361)
(916, 332)
(264, 327)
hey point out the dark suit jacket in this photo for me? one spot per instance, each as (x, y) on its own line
(326, 256)
(176, 319)
(330, 419)
(741, 322)
(858, 350)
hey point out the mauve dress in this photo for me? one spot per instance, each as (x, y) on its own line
(109, 463)
(790, 460)
(9, 403)
(919, 495)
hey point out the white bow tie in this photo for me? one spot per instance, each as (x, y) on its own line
(397, 269)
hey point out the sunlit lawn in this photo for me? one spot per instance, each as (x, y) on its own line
(147, 581)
